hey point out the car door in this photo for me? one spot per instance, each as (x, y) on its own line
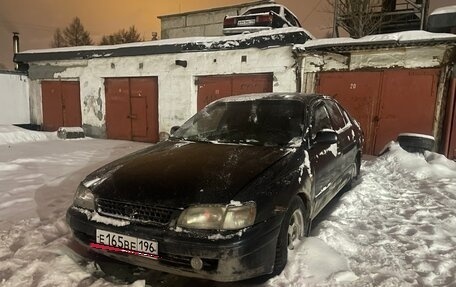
(346, 142)
(323, 157)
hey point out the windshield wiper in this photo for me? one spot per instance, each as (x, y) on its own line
(196, 139)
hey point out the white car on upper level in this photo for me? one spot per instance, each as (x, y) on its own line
(259, 18)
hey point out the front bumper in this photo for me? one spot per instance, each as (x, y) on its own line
(233, 257)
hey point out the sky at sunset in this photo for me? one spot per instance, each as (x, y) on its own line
(36, 20)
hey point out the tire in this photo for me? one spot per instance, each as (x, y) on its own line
(358, 166)
(416, 143)
(293, 229)
(355, 176)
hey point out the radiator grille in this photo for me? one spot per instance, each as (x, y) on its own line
(135, 211)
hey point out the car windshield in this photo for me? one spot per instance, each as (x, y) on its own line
(263, 10)
(256, 122)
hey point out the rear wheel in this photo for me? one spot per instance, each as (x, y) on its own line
(358, 166)
(355, 175)
(292, 231)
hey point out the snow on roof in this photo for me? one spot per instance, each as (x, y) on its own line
(175, 41)
(261, 40)
(399, 38)
(444, 10)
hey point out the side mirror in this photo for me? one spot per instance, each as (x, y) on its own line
(326, 136)
(173, 129)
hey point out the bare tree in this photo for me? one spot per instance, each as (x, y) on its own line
(73, 35)
(122, 36)
(358, 17)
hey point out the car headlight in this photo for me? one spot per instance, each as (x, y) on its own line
(83, 198)
(221, 217)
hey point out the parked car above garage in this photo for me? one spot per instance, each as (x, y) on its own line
(228, 194)
(259, 18)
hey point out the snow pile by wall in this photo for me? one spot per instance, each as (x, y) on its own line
(12, 134)
(14, 98)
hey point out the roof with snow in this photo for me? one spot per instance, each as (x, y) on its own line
(444, 10)
(263, 39)
(399, 39)
(442, 19)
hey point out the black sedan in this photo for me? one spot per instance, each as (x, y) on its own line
(259, 18)
(229, 192)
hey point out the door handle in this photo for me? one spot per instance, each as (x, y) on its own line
(131, 117)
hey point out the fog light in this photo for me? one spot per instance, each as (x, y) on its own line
(196, 263)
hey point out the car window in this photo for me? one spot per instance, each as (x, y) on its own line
(337, 119)
(209, 121)
(290, 18)
(263, 10)
(260, 122)
(320, 120)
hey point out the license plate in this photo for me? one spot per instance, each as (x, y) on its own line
(246, 22)
(127, 242)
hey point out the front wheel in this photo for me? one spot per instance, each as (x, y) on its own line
(292, 231)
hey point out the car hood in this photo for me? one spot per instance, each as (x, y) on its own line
(178, 174)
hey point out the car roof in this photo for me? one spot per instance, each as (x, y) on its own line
(266, 6)
(304, 98)
(273, 5)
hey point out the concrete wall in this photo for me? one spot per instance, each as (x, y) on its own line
(200, 23)
(196, 24)
(403, 57)
(177, 91)
(14, 99)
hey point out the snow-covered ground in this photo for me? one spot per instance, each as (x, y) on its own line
(396, 227)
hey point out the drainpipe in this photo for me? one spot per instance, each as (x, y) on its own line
(16, 47)
(424, 14)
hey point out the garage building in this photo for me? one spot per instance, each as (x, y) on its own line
(135, 91)
(392, 83)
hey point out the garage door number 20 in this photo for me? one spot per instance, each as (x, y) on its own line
(352, 86)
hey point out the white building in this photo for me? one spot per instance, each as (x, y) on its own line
(135, 91)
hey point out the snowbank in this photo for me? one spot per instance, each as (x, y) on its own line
(12, 135)
(396, 227)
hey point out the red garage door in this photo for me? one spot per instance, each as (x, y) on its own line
(358, 92)
(407, 104)
(450, 126)
(61, 104)
(211, 88)
(385, 103)
(132, 109)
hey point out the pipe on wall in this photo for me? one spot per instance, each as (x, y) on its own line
(16, 47)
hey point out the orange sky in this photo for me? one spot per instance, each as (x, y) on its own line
(36, 20)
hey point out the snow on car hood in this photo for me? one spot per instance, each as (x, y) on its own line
(177, 174)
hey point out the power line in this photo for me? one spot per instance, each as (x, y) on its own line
(30, 25)
(311, 12)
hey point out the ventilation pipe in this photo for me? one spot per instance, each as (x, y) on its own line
(16, 47)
